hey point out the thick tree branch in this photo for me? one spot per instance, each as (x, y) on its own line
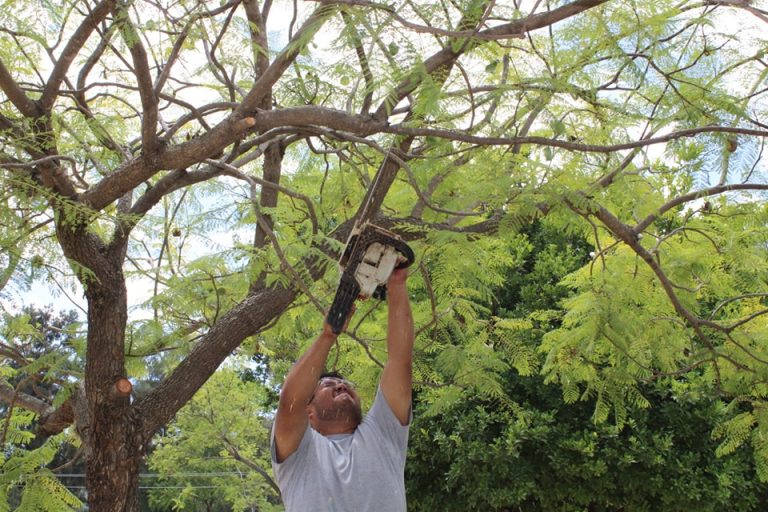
(686, 198)
(74, 45)
(11, 396)
(263, 86)
(144, 81)
(133, 173)
(171, 182)
(760, 14)
(387, 171)
(445, 57)
(272, 170)
(20, 100)
(138, 170)
(402, 129)
(51, 420)
(247, 318)
(255, 313)
(421, 29)
(258, 31)
(486, 226)
(57, 420)
(385, 176)
(629, 237)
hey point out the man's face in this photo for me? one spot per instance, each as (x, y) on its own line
(335, 399)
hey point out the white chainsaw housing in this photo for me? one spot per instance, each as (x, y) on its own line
(371, 255)
(377, 265)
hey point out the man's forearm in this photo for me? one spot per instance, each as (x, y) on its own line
(302, 378)
(400, 332)
(291, 419)
(397, 378)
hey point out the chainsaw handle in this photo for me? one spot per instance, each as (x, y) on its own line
(406, 252)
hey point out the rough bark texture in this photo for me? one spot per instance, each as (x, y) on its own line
(112, 443)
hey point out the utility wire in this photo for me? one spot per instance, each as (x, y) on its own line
(161, 475)
(79, 487)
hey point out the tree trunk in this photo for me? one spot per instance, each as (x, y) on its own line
(112, 467)
(108, 424)
(114, 446)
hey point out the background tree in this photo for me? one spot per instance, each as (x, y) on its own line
(222, 435)
(39, 353)
(542, 454)
(145, 146)
(536, 453)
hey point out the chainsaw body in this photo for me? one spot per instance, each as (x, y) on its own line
(369, 258)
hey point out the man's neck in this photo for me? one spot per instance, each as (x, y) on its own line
(332, 428)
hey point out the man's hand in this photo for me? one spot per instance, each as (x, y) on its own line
(398, 276)
(328, 330)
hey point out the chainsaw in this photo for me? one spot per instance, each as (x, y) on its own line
(369, 258)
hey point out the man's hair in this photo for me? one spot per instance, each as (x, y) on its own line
(334, 375)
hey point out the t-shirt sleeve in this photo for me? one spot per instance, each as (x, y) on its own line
(383, 419)
(294, 462)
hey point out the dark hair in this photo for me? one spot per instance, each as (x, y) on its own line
(333, 374)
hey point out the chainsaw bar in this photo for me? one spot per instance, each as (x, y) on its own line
(371, 254)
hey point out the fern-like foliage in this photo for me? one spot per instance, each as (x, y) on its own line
(26, 483)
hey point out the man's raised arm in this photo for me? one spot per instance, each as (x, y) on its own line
(291, 419)
(397, 378)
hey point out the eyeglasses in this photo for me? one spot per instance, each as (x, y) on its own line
(331, 382)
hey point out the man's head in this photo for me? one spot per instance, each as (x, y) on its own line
(335, 405)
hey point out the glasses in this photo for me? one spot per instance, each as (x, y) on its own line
(332, 382)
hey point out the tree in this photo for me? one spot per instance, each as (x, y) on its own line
(145, 146)
(36, 365)
(546, 455)
(533, 452)
(225, 441)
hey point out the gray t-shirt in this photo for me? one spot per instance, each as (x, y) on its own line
(357, 472)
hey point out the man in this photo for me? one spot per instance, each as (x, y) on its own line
(325, 456)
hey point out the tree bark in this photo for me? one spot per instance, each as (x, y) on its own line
(107, 423)
(114, 444)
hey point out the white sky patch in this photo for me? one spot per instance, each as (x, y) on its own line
(44, 294)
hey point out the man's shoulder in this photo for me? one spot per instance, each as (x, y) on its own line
(382, 412)
(301, 451)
